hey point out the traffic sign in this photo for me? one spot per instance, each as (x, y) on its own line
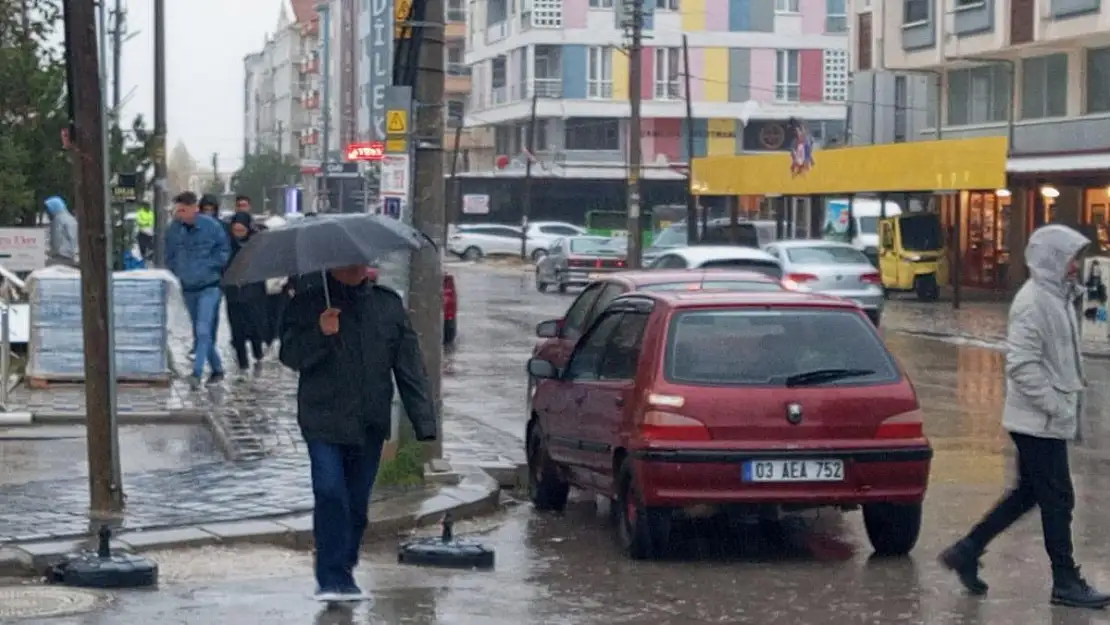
(396, 146)
(401, 16)
(391, 206)
(397, 122)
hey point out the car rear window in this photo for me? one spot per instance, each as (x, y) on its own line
(769, 268)
(826, 255)
(715, 285)
(767, 347)
(588, 246)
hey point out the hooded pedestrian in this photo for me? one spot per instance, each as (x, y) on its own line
(63, 232)
(1044, 393)
(348, 355)
(247, 313)
(197, 252)
(210, 205)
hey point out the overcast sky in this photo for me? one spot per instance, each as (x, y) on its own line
(206, 41)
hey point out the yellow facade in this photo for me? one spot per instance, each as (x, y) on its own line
(722, 137)
(920, 166)
(715, 79)
(693, 15)
(620, 74)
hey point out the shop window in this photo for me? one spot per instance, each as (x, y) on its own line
(592, 134)
(1044, 86)
(978, 95)
(1098, 80)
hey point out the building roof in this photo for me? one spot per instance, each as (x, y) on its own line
(303, 10)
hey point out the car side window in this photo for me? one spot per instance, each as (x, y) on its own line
(622, 354)
(612, 291)
(587, 356)
(772, 251)
(670, 261)
(575, 321)
(506, 232)
(887, 236)
(559, 230)
(557, 247)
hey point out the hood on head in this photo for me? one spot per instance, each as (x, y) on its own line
(55, 205)
(1049, 250)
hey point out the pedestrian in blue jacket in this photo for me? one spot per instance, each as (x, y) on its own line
(197, 252)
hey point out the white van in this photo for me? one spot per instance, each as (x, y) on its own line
(866, 213)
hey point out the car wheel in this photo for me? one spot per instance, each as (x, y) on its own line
(450, 331)
(926, 287)
(538, 254)
(642, 532)
(541, 286)
(892, 528)
(472, 253)
(875, 316)
(563, 286)
(546, 488)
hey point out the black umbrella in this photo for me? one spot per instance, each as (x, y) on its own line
(316, 245)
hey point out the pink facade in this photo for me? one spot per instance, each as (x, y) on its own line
(697, 75)
(811, 75)
(647, 77)
(666, 140)
(813, 16)
(574, 13)
(762, 75)
(716, 15)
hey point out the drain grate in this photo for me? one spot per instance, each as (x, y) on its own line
(44, 601)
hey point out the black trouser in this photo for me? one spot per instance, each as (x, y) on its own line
(248, 322)
(146, 244)
(1044, 481)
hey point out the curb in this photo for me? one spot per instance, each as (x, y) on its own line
(996, 344)
(476, 494)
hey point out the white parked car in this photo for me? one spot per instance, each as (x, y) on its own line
(474, 241)
(719, 257)
(541, 234)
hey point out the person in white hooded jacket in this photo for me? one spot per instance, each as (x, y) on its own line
(1044, 392)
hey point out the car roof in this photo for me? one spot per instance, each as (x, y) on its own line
(700, 253)
(638, 279)
(795, 243)
(771, 299)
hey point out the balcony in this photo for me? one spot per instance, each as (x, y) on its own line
(548, 87)
(499, 95)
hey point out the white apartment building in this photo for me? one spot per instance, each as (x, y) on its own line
(753, 65)
(272, 112)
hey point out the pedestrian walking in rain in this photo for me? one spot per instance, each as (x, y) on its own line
(243, 205)
(144, 224)
(197, 251)
(350, 339)
(1044, 393)
(63, 232)
(247, 313)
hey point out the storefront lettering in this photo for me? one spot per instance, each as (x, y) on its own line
(711, 134)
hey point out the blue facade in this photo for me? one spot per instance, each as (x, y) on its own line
(701, 139)
(574, 72)
(739, 15)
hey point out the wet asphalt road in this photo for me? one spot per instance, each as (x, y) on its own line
(564, 569)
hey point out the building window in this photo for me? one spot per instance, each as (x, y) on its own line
(915, 11)
(456, 10)
(836, 16)
(455, 65)
(979, 95)
(787, 6)
(666, 72)
(1098, 80)
(601, 4)
(547, 13)
(786, 76)
(967, 4)
(503, 140)
(1044, 86)
(836, 75)
(900, 101)
(585, 133)
(666, 5)
(539, 140)
(599, 72)
(455, 111)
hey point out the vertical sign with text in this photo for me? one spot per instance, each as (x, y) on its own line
(380, 44)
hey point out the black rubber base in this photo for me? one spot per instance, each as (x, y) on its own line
(120, 570)
(459, 554)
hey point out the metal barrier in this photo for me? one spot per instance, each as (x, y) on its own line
(10, 286)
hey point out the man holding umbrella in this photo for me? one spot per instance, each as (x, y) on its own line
(349, 339)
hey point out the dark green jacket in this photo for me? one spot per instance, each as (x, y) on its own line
(345, 392)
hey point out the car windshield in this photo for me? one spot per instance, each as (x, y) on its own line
(775, 347)
(826, 255)
(673, 236)
(921, 233)
(868, 225)
(589, 246)
(715, 285)
(769, 268)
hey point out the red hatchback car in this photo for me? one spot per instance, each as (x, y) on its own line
(755, 404)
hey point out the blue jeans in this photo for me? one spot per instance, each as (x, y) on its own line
(204, 311)
(342, 477)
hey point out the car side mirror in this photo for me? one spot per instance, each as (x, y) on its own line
(542, 369)
(549, 329)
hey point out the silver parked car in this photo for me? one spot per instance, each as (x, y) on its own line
(573, 260)
(831, 268)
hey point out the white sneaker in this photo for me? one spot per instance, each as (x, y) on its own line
(352, 596)
(328, 596)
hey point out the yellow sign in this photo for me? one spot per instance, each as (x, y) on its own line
(953, 164)
(401, 17)
(397, 122)
(396, 146)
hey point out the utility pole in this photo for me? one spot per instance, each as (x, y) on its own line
(325, 18)
(530, 141)
(455, 201)
(425, 271)
(635, 145)
(691, 199)
(161, 202)
(83, 74)
(281, 138)
(119, 28)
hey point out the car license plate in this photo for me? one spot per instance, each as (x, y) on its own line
(794, 471)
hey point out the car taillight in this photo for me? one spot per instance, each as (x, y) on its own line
(620, 263)
(800, 278)
(871, 278)
(906, 425)
(574, 262)
(668, 426)
(598, 264)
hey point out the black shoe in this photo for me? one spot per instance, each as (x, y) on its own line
(215, 378)
(963, 560)
(1070, 589)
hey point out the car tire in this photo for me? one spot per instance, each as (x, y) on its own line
(642, 532)
(892, 528)
(472, 253)
(538, 254)
(926, 288)
(541, 286)
(450, 331)
(546, 488)
(875, 316)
